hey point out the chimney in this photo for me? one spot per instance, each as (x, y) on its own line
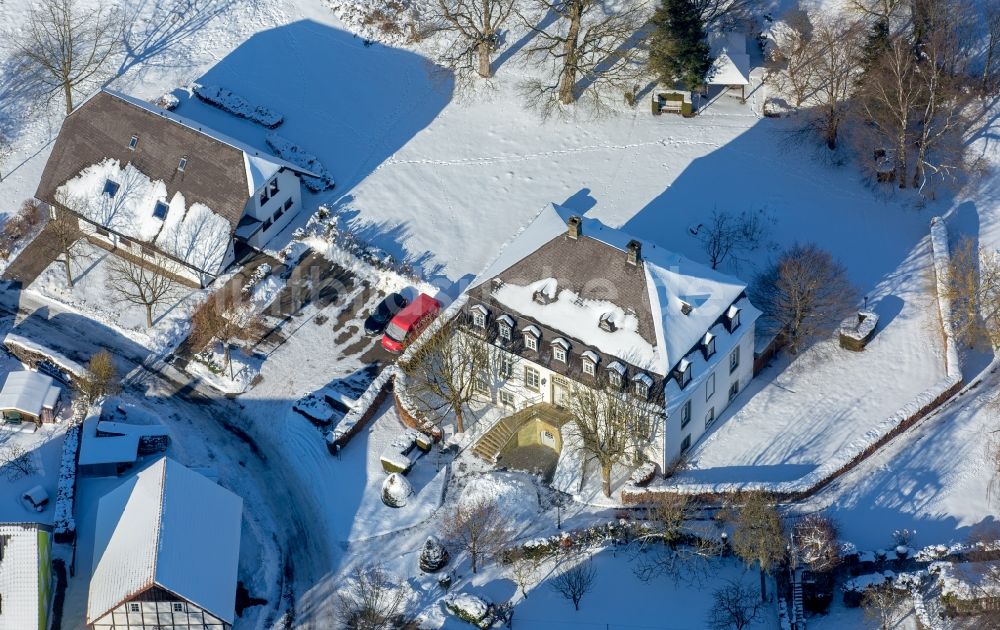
(575, 227)
(633, 252)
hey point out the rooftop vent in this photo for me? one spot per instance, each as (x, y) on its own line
(633, 253)
(574, 226)
(607, 322)
(686, 308)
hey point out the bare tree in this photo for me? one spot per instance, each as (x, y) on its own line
(592, 50)
(716, 13)
(611, 425)
(972, 285)
(523, 568)
(139, 283)
(371, 599)
(6, 149)
(576, 581)
(884, 605)
(838, 44)
(889, 99)
(735, 605)
(16, 462)
(479, 528)
(758, 537)
(444, 373)
(665, 550)
(731, 236)
(474, 27)
(65, 228)
(100, 379)
(225, 316)
(67, 46)
(988, 82)
(815, 539)
(804, 293)
(792, 62)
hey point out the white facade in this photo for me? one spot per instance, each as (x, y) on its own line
(175, 614)
(274, 204)
(25, 576)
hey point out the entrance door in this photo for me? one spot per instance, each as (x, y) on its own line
(560, 391)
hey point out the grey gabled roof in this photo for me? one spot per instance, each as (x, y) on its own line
(218, 171)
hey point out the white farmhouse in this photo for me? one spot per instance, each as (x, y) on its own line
(152, 185)
(166, 553)
(25, 575)
(574, 302)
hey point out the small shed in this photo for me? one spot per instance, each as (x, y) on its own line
(730, 60)
(28, 396)
(110, 448)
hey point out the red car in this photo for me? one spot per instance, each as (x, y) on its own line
(408, 323)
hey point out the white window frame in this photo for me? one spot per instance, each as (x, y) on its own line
(685, 413)
(134, 607)
(506, 398)
(641, 389)
(589, 367)
(530, 342)
(478, 319)
(505, 332)
(710, 387)
(506, 366)
(481, 385)
(734, 390)
(559, 353)
(615, 378)
(709, 417)
(536, 377)
(734, 359)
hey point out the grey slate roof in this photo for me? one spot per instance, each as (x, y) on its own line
(101, 127)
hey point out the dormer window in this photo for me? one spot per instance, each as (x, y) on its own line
(111, 188)
(641, 385)
(733, 318)
(560, 348)
(263, 195)
(616, 374)
(708, 345)
(160, 210)
(479, 313)
(607, 322)
(505, 327)
(683, 373)
(182, 164)
(531, 337)
(133, 142)
(273, 187)
(590, 360)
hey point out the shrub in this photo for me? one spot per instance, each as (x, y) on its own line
(396, 490)
(433, 555)
(470, 608)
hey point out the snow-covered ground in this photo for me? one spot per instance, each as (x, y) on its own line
(92, 295)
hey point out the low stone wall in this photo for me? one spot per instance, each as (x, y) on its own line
(369, 403)
(921, 406)
(32, 354)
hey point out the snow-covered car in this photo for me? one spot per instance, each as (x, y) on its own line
(35, 499)
(382, 314)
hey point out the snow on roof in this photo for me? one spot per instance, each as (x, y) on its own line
(730, 61)
(683, 365)
(121, 448)
(559, 341)
(644, 378)
(506, 319)
(617, 367)
(260, 165)
(19, 573)
(28, 392)
(193, 233)
(167, 525)
(532, 329)
(591, 355)
(669, 280)
(482, 309)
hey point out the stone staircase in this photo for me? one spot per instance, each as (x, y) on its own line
(492, 442)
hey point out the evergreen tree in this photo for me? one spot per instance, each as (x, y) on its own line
(875, 45)
(678, 50)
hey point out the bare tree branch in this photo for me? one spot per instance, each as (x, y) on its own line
(140, 283)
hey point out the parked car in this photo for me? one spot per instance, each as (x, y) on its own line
(388, 308)
(409, 322)
(35, 499)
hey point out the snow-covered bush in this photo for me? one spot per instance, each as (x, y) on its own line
(386, 21)
(65, 525)
(396, 490)
(643, 474)
(288, 150)
(229, 101)
(433, 555)
(167, 101)
(470, 608)
(262, 271)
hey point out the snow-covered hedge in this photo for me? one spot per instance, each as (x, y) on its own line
(229, 101)
(366, 406)
(288, 150)
(643, 474)
(470, 608)
(869, 442)
(64, 526)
